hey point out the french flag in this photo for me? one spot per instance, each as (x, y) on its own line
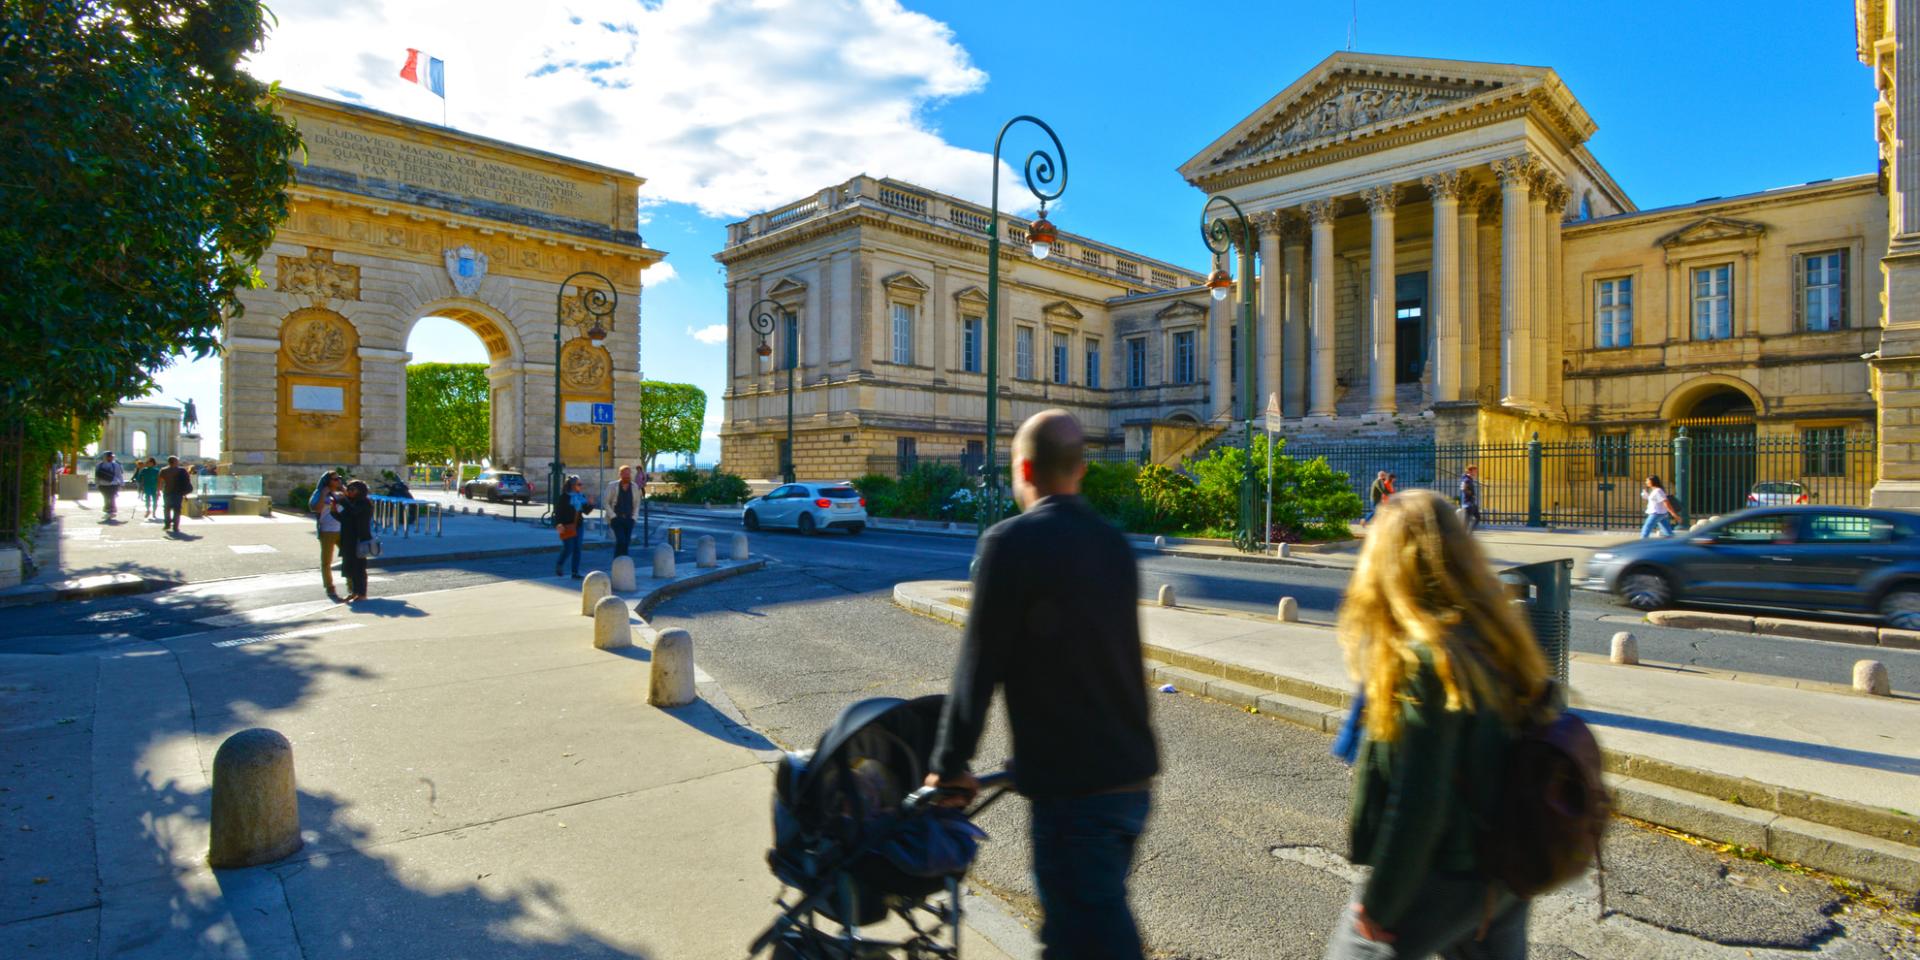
(429, 72)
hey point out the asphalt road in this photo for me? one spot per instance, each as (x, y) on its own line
(1243, 857)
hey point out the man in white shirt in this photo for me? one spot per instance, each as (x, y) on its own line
(621, 501)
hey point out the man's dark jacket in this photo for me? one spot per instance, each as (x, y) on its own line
(1053, 620)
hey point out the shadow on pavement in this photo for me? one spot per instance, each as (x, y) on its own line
(1749, 741)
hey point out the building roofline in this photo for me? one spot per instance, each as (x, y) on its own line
(1830, 184)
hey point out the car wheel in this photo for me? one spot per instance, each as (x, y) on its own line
(806, 524)
(1646, 590)
(1901, 607)
(750, 520)
(855, 528)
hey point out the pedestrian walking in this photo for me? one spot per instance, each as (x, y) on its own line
(1376, 494)
(326, 495)
(1660, 512)
(1470, 497)
(1449, 672)
(109, 475)
(620, 501)
(148, 479)
(175, 483)
(1053, 623)
(355, 513)
(572, 504)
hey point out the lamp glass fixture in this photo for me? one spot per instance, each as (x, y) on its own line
(1219, 284)
(1041, 235)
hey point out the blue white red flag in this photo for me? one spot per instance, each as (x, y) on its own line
(429, 72)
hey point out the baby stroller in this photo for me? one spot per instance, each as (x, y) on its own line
(857, 836)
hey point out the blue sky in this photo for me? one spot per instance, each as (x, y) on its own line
(729, 106)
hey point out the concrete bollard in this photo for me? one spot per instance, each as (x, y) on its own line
(622, 576)
(1286, 550)
(670, 683)
(611, 628)
(1166, 595)
(1626, 650)
(739, 546)
(704, 553)
(663, 562)
(1289, 611)
(256, 810)
(1159, 543)
(592, 588)
(1870, 677)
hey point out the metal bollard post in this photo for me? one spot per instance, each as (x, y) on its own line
(1547, 590)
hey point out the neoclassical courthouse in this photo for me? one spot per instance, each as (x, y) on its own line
(1441, 257)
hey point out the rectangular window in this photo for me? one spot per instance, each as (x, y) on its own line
(906, 451)
(1093, 364)
(902, 333)
(970, 344)
(1610, 455)
(1613, 312)
(1137, 362)
(1823, 452)
(1823, 286)
(1713, 302)
(1023, 353)
(1061, 342)
(1183, 357)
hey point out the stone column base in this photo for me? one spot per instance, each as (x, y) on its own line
(1895, 495)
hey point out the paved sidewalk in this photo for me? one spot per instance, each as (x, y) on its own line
(1828, 779)
(476, 780)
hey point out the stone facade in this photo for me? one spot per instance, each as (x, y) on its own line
(392, 221)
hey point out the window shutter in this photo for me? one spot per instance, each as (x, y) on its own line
(1845, 291)
(1800, 291)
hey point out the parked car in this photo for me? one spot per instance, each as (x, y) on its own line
(498, 485)
(808, 508)
(1778, 493)
(1799, 558)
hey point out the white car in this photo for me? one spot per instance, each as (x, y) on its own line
(1777, 493)
(808, 508)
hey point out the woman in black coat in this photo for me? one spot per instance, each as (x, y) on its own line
(356, 528)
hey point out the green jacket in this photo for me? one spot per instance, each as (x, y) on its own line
(149, 480)
(1413, 799)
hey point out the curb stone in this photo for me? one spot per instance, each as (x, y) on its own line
(1848, 839)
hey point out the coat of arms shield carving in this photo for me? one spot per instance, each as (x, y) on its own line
(466, 267)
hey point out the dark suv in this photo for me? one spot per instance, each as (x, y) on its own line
(497, 485)
(1801, 558)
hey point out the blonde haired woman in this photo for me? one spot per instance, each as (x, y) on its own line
(1447, 668)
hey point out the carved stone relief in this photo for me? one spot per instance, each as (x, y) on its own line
(1343, 109)
(318, 276)
(318, 342)
(584, 366)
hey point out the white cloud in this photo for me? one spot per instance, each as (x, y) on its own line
(711, 334)
(729, 105)
(658, 274)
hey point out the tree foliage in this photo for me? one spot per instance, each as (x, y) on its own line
(142, 174)
(674, 414)
(447, 416)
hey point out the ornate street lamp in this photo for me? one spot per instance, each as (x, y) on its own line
(1222, 232)
(586, 310)
(763, 323)
(1039, 173)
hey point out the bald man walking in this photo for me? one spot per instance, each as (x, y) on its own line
(1053, 622)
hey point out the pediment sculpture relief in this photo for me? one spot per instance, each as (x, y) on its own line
(318, 276)
(1344, 109)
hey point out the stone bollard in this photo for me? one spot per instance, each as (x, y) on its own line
(1159, 543)
(671, 681)
(740, 546)
(704, 553)
(256, 810)
(1626, 650)
(1286, 550)
(1166, 595)
(611, 628)
(663, 562)
(1870, 677)
(592, 588)
(623, 580)
(1289, 611)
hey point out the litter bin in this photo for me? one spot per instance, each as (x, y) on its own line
(673, 539)
(1546, 589)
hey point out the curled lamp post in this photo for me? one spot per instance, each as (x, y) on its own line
(763, 323)
(1039, 173)
(593, 311)
(1222, 231)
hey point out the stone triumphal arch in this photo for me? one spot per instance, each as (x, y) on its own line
(393, 220)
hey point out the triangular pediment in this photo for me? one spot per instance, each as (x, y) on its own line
(787, 287)
(1183, 309)
(1061, 310)
(1350, 96)
(972, 295)
(1710, 229)
(904, 282)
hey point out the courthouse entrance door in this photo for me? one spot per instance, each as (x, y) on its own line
(1409, 327)
(1721, 426)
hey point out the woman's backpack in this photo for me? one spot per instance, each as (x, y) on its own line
(1544, 824)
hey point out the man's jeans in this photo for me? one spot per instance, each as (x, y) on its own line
(109, 492)
(1082, 852)
(622, 534)
(1445, 920)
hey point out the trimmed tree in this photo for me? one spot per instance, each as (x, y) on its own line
(447, 412)
(672, 415)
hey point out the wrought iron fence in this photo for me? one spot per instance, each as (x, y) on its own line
(970, 464)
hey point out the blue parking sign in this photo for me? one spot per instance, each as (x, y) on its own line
(603, 413)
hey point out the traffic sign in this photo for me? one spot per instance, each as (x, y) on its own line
(603, 413)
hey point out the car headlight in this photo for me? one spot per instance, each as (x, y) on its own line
(1603, 556)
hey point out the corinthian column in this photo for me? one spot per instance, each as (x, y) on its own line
(1320, 215)
(1381, 202)
(1443, 311)
(1272, 309)
(1516, 296)
(1552, 322)
(1293, 335)
(1472, 194)
(1538, 285)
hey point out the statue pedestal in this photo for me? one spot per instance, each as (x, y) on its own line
(189, 446)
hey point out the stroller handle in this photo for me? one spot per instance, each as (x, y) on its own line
(997, 782)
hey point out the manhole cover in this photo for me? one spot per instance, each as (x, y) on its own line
(108, 616)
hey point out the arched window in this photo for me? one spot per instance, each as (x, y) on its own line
(138, 443)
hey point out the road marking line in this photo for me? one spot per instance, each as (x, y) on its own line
(253, 548)
(302, 634)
